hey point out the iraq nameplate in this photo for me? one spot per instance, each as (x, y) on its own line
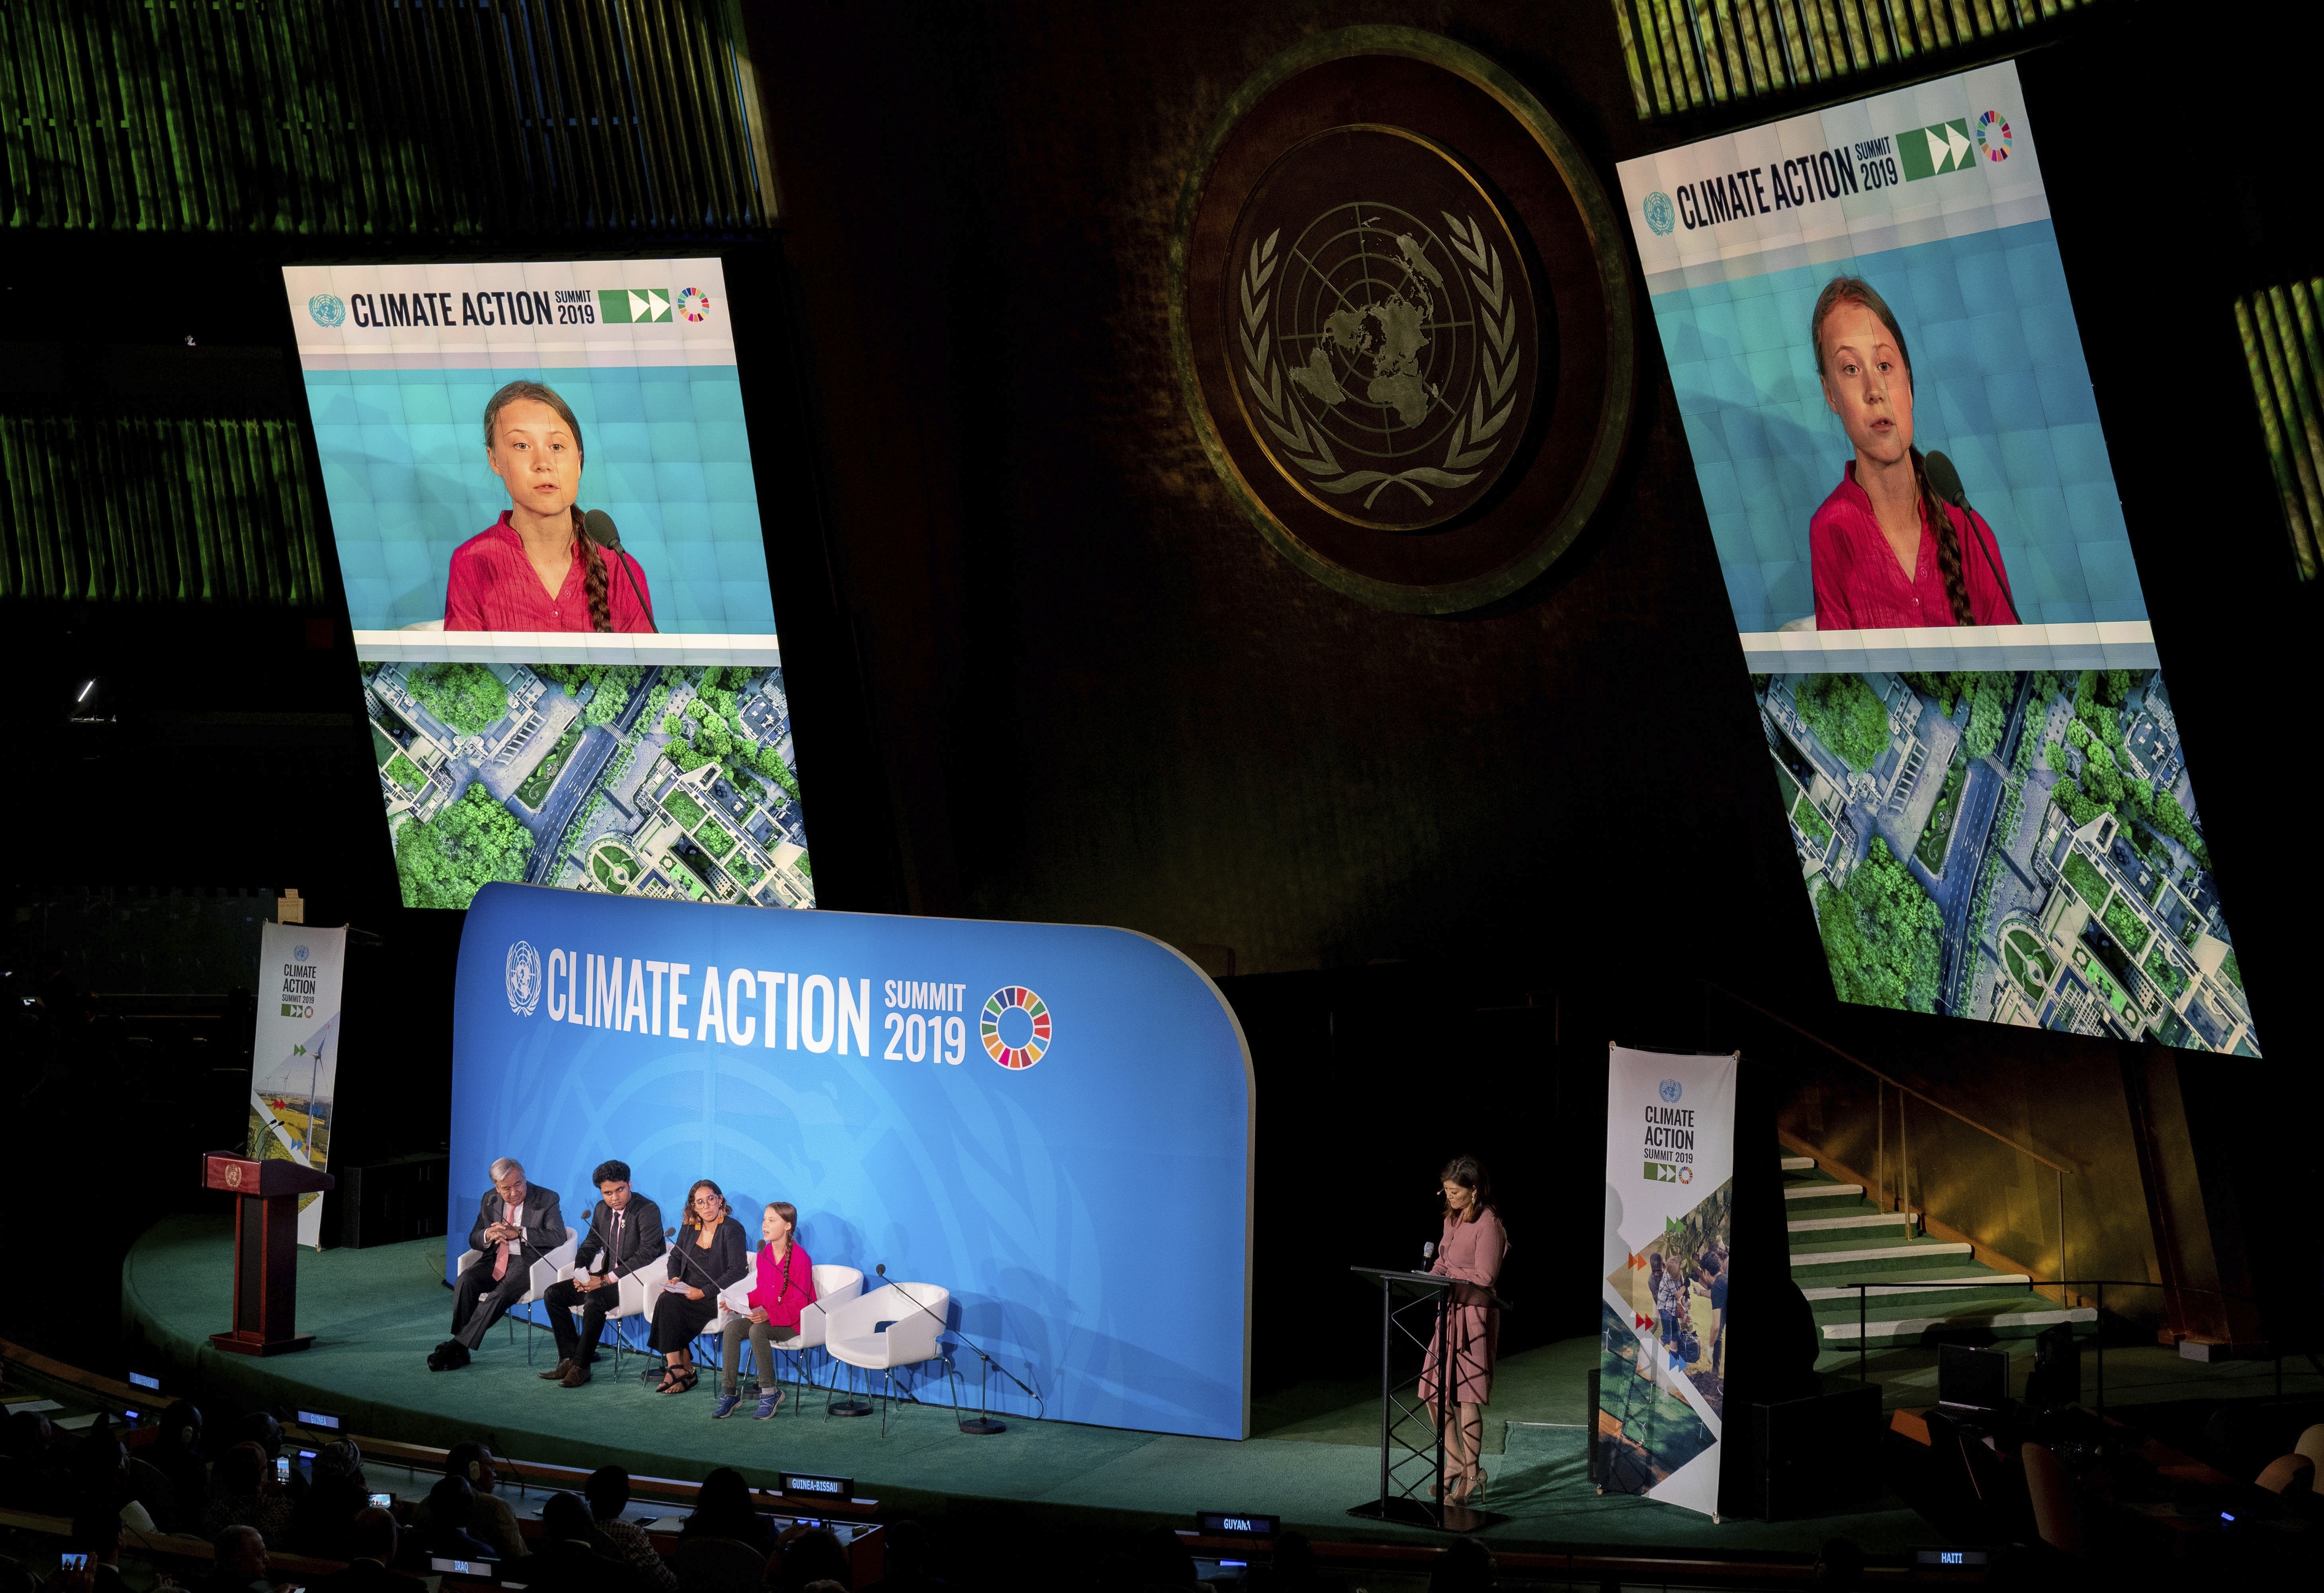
(1401, 320)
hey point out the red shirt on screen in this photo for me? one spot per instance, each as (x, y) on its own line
(1861, 586)
(492, 587)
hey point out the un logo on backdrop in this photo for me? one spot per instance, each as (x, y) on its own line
(1662, 215)
(297, 953)
(523, 979)
(1670, 1090)
(327, 308)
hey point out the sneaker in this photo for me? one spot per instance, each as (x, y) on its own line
(767, 1404)
(725, 1407)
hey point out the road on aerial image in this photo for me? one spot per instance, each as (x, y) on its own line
(577, 779)
(1955, 891)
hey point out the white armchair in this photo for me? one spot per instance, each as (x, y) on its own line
(556, 1264)
(915, 1318)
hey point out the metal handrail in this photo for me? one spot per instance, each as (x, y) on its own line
(1893, 1083)
(2061, 1286)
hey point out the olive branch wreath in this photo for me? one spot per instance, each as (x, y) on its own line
(1311, 450)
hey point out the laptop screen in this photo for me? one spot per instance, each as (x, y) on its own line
(1968, 1375)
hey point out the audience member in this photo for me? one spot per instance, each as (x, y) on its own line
(244, 1492)
(96, 1533)
(810, 1558)
(608, 1492)
(1465, 1567)
(491, 1519)
(451, 1508)
(568, 1560)
(261, 1429)
(722, 1509)
(909, 1565)
(15, 1578)
(371, 1543)
(239, 1562)
(104, 1471)
(337, 1494)
(177, 1454)
(29, 1471)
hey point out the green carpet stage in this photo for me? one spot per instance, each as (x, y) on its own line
(375, 1314)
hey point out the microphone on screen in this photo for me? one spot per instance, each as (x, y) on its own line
(601, 530)
(1945, 482)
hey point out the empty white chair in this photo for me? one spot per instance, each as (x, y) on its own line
(556, 1264)
(835, 1286)
(914, 1316)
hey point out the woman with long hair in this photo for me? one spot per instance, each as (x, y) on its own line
(1884, 550)
(1471, 1251)
(710, 1255)
(534, 568)
(783, 1287)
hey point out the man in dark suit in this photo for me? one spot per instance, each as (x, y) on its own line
(370, 1545)
(624, 1226)
(516, 1225)
(569, 1559)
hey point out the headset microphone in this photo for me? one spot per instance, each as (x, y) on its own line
(601, 530)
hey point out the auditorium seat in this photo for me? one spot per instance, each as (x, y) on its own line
(2287, 1474)
(854, 1335)
(2054, 1515)
(2312, 1445)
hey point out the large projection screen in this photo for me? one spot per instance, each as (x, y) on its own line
(515, 739)
(1975, 745)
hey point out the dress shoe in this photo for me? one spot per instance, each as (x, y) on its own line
(455, 1354)
(556, 1373)
(576, 1375)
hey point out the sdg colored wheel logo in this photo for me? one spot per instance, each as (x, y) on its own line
(1015, 1026)
(1993, 137)
(693, 304)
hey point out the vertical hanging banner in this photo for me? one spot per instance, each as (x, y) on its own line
(1670, 1201)
(294, 1056)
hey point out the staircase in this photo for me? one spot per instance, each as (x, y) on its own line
(1840, 1238)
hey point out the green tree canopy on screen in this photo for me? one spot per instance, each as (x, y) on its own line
(473, 841)
(468, 697)
(1880, 935)
(1846, 716)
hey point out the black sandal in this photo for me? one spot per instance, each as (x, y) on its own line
(679, 1379)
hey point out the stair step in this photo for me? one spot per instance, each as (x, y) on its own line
(2002, 1323)
(1861, 1220)
(1922, 1250)
(1817, 1192)
(1931, 1287)
(1799, 1164)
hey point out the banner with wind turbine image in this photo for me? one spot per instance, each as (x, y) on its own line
(1661, 1372)
(294, 1054)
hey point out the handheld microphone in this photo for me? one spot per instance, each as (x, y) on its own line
(1946, 482)
(601, 530)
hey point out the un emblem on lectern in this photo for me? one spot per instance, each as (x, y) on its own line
(523, 979)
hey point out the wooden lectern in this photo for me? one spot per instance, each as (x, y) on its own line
(266, 1243)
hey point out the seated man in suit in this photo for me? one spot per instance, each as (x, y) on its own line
(626, 1227)
(516, 1225)
(371, 1548)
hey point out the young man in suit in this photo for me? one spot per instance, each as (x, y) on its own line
(517, 1224)
(626, 1227)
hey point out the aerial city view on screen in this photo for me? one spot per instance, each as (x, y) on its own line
(672, 781)
(2023, 848)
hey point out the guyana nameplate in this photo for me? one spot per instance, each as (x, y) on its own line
(1401, 321)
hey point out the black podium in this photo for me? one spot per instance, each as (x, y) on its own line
(1416, 1308)
(265, 1248)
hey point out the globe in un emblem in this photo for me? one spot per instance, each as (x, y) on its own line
(1662, 215)
(523, 979)
(327, 308)
(1386, 329)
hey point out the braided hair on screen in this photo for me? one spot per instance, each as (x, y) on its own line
(594, 584)
(1842, 291)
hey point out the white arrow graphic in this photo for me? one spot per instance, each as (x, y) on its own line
(1938, 156)
(1960, 145)
(661, 305)
(637, 308)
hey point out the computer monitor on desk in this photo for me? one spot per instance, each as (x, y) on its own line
(1972, 1383)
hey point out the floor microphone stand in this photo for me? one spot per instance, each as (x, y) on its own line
(984, 1425)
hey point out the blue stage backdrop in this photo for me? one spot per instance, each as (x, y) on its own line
(1052, 1121)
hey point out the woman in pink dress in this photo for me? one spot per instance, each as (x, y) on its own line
(1471, 1250)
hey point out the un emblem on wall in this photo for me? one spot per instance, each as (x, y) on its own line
(524, 981)
(1401, 317)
